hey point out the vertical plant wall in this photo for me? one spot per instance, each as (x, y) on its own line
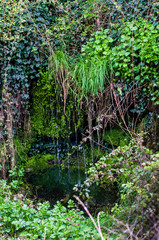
(22, 53)
(76, 66)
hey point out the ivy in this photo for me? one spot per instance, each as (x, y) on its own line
(22, 36)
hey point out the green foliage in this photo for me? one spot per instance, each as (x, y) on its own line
(71, 28)
(56, 116)
(16, 175)
(136, 58)
(20, 218)
(39, 162)
(130, 61)
(43, 94)
(22, 149)
(77, 20)
(90, 69)
(116, 137)
(139, 203)
(119, 164)
(90, 76)
(22, 51)
(98, 45)
(102, 44)
(28, 28)
(135, 170)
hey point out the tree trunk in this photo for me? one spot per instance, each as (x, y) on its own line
(11, 151)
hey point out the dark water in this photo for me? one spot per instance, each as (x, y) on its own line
(57, 183)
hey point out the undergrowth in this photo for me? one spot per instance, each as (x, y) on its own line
(135, 171)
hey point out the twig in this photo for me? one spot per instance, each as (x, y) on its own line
(45, 233)
(87, 211)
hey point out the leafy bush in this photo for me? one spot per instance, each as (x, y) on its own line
(21, 218)
(133, 58)
(136, 172)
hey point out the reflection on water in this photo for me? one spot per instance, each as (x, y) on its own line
(55, 183)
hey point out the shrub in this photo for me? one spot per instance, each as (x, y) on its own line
(21, 218)
(136, 172)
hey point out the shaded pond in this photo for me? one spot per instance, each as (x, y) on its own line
(56, 182)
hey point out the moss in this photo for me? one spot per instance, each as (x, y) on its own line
(22, 149)
(116, 137)
(39, 162)
(49, 116)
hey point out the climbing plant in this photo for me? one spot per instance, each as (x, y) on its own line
(107, 58)
(22, 44)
